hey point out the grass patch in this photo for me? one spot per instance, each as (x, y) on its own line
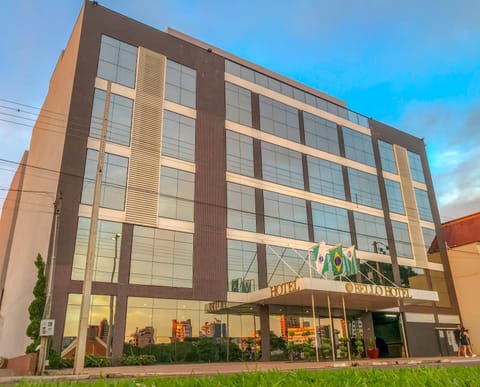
(403, 377)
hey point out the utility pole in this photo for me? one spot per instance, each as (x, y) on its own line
(43, 351)
(110, 317)
(79, 361)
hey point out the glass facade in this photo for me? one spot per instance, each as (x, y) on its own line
(117, 61)
(364, 188)
(180, 84)
(321, 134)
(106, 259)
(239, 154)
(358, 146)
(394, 197)
(387, 157)
(413, 277)
(178, 136)
(241, 207)
(369, 229)
(330, 224)
(161, 257)
(285, 216)
(325, 177)
(278, 272)
(402, 239)
(114, 180)
(282, 165)
(119, 117)
(423, 204)
(242, 266)
(416, 168)
(279, 119)
(238, 103)
(177, 190)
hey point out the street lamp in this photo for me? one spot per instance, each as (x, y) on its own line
(110, 317)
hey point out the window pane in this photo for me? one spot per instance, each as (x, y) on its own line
(369, 229)
(282, 166)
(241, 207)
(117, 61)
(285, 216)
(321, 134)
(238, 104)
(161, 257)
(114, 180)
(105, 266)
(180, 84)
(402, 239)
(178, 138)
(364, 188)
(358, 146)
(423, 205)
(330, 224)
(387, 157)
(242, 266)
(177, 190)
(416, 167)
(394, 197)
(326, 178)
(279, 119)
(278, 272)
(239, 154)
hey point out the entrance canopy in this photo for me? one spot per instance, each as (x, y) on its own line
(298, 292)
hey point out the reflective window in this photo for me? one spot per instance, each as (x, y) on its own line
(330, 224)
(321, 133)
(114, 180)
(413, 277)
(394, 197)
(364, 188)
(239, 154)
(279, 119)
(117, 62)
(416, 167)
(177, 190)
(238, 103)
(387, 157)
(293, 92)
(439, 285)
(423, 205)
(358, 146)
(119, 117)
(178, 137)
(171, 324)
(381, 273)
(285, 216)
(369, 229)
(402, 239)
(241, 207)
(180, 84)
(105, 265)
(161, 257)
(278, 272)
(282, 166)
(101, 313)
(242, 266)
(326, 178)
(428, 237)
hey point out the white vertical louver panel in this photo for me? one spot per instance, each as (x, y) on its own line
(411, 210)
(144, 168)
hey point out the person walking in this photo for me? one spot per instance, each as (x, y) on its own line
(467, 344)
(458, 338)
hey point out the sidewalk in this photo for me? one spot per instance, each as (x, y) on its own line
(234, 367)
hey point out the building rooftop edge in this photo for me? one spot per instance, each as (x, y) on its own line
(461, 219)
(253, 66)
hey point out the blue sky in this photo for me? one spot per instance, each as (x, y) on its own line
(414, 65)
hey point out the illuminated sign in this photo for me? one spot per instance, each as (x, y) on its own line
(285, 288)
(377, 290)
(213, 307)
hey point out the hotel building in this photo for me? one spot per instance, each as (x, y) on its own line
(219, 178)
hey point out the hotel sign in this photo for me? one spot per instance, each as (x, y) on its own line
(214, 307)
(285, 288)
(377, 290)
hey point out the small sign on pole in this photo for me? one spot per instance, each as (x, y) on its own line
(47, 327)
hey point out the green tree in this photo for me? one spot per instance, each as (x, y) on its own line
(37, 306)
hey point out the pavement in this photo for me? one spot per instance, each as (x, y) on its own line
(204, 369)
